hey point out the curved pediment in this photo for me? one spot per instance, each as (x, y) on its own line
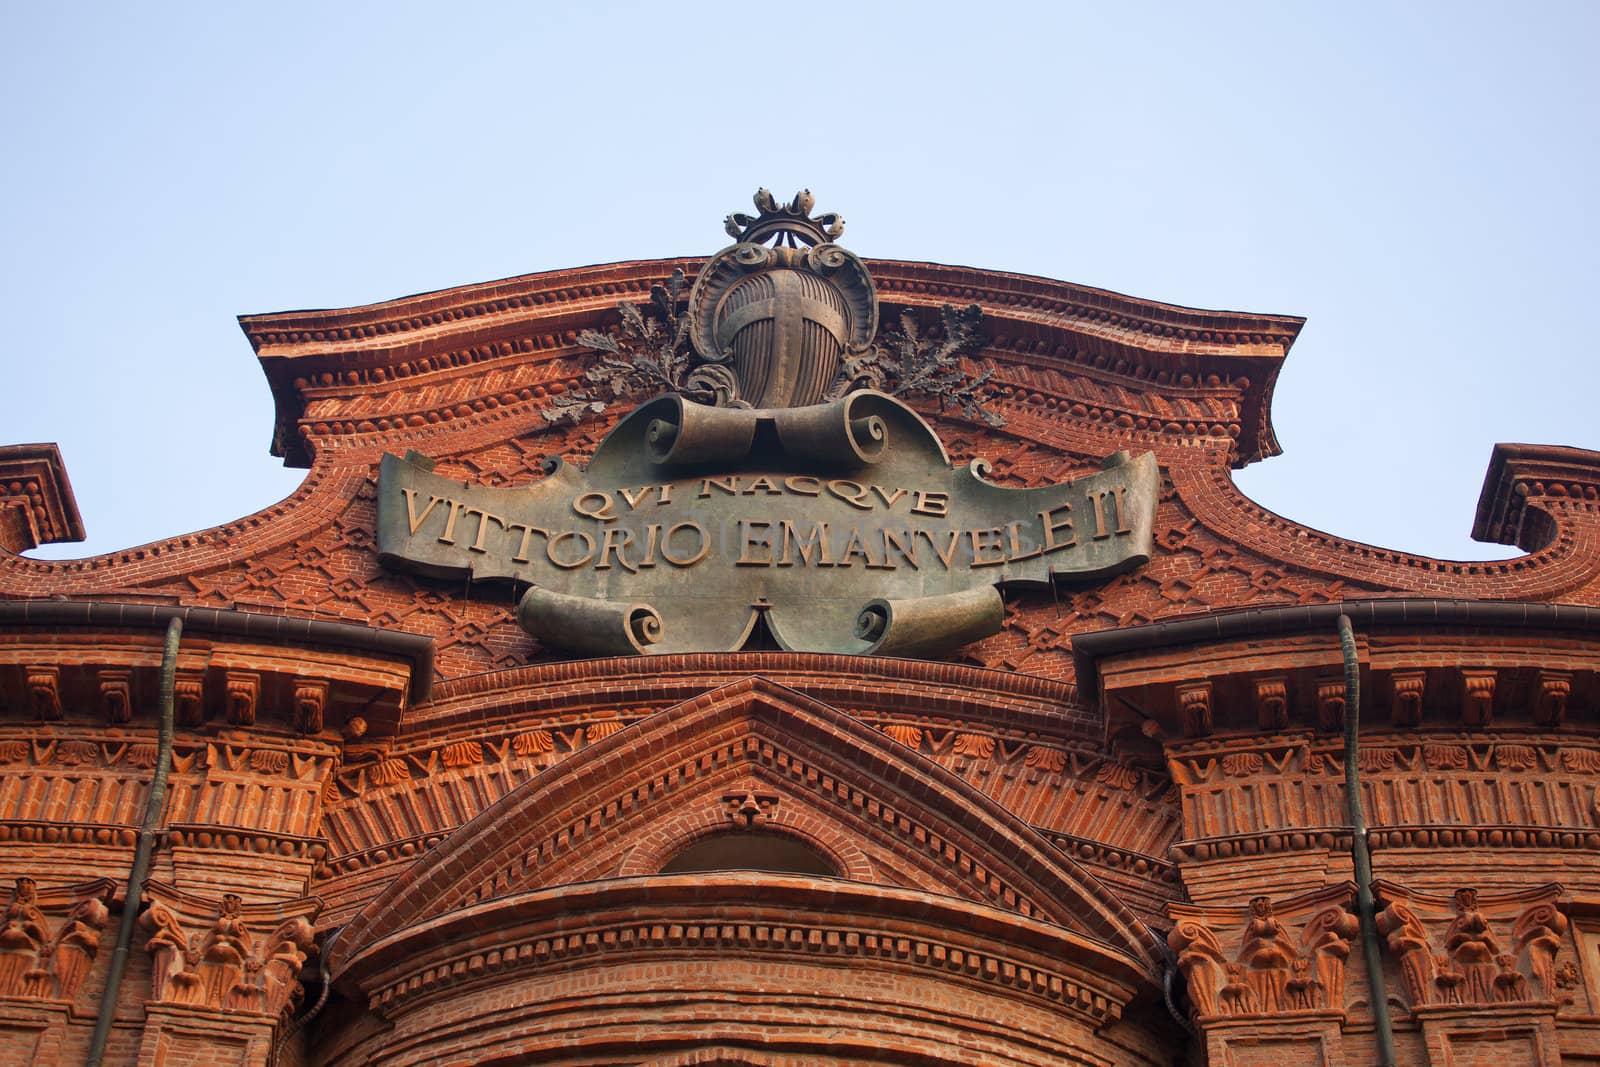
(752, 757)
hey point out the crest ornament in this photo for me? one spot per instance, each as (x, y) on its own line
(784, 308)
(771, 487)
(783, 318)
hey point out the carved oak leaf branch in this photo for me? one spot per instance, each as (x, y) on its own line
(649, 355)
(907, 361)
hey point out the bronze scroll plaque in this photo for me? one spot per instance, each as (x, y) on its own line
(843, 523)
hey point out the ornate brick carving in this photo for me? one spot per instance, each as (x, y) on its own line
(1477, 697)
(24, 935)
(44, 687)
(389, 771)
(243, 690)
(1330, 704)
(1194, 707)
(462, 754)
(533, 743)
(1539, 933)
(1405, 706)
(1248, 804)
(1272, 703)
(748, 808)
(1268, 969)
(310, 698)
(1459, 953)
(225, 965)
(36, 964)
(906, 734)
(116, 695)
(188, 696)
(36, 502)
(1550, 703)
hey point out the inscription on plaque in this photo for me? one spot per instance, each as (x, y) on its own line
(844, 525)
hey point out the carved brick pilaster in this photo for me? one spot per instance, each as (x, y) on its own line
(39, 959)
(44, 690)
(116, 694)
(1194, 706)
(244, 689)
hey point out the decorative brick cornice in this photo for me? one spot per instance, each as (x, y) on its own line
(1564, 555)
(1045, 323)
(1045, 707)
(326, 491)
(799, 920)
(1520, 485)
(36, 502)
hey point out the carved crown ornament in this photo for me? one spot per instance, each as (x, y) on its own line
(773, 487)
(782, 318)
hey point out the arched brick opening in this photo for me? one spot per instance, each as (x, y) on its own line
(751, 850)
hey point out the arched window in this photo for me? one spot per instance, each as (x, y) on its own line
(747, 850)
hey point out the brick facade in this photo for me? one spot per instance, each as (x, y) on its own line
(397, 829)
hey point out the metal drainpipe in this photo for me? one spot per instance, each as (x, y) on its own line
(1365, 909)
(141, 856)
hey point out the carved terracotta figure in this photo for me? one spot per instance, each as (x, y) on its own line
(77, 945)
(1303, 992)
(1328, 939)
(1539, 932)
(23, 934)
(246, 994)
(1237, 996)
(1509, 986)
(1407, 939)
(1449, 981)
(224, 951)
(1268, 952)
(1473, 947)
(1200, 960)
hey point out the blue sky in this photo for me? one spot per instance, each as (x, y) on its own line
(1416, 180)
